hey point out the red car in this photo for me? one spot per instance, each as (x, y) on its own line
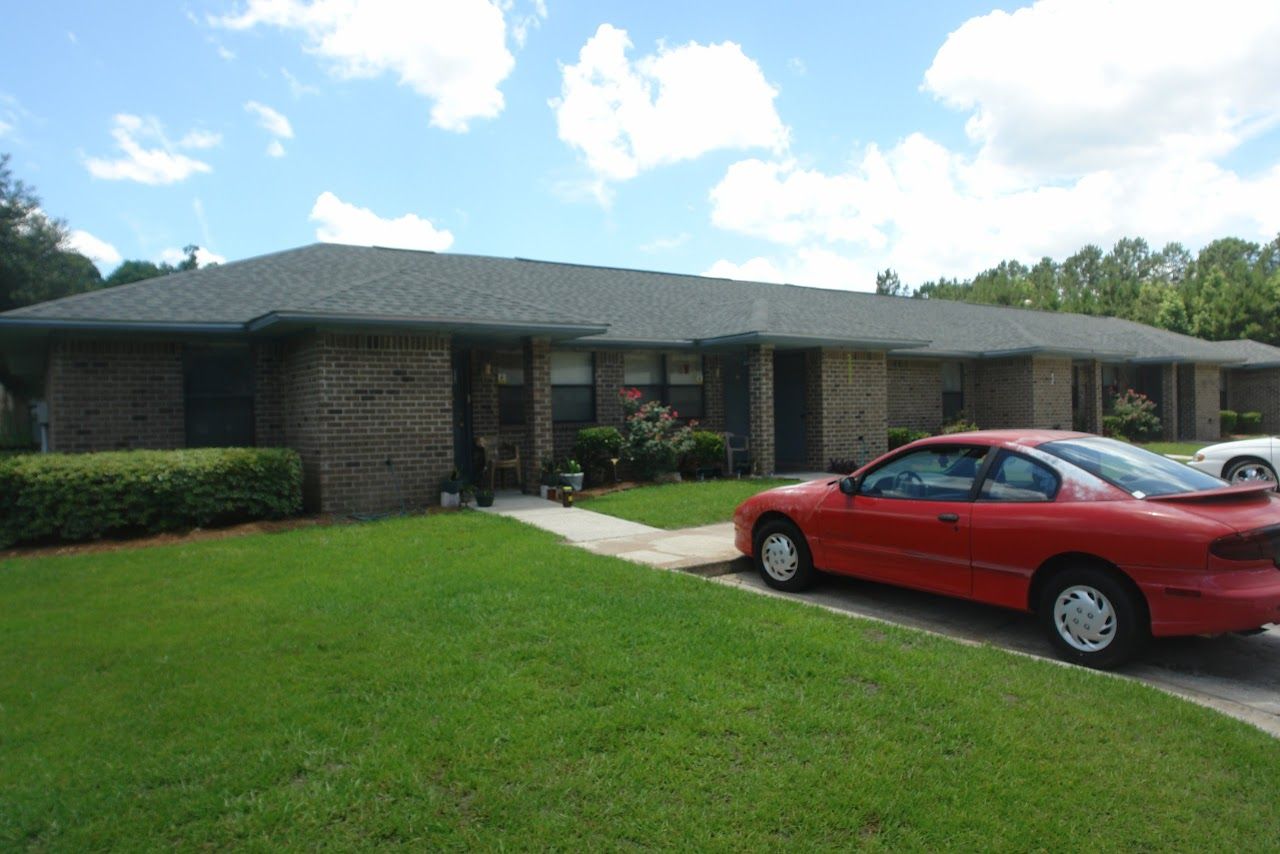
(1108, 543)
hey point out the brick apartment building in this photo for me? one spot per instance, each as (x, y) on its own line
(359, 356)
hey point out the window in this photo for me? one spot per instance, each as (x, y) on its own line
(933, 473)
(509, 368)
(673, 379)
(218, 386)
(952, 389)
(1016, 478)
(573, 386)
(1137, 471)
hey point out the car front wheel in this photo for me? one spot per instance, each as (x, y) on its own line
(782, 557)
(1092, 618)
(1250, 471)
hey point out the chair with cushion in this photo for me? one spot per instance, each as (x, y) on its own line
(499, 454)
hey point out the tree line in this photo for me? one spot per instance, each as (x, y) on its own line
(36, 261)
(1229, 289)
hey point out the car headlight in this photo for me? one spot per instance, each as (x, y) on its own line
(1198, 458)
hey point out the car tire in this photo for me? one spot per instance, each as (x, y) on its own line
(1093, 618)
(1248, 470)
(782, 557)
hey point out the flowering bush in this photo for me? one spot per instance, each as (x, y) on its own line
(653, 438)
(1133, 416)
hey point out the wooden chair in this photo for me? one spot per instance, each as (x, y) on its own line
(501, 455)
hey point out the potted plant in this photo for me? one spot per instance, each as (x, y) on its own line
(549, 478)
(451, 490)
(484, 497)
(466, 494)
(572, 475)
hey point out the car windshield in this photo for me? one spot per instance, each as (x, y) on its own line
(1138, 472)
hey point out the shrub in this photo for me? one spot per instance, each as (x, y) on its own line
(899, 436)
(707, 452)
(1227, 420)
(836, 465)
(961, 423)
(1250, 422)
(84, 496)
(653, 437)
(1133, 417)
(594, 448)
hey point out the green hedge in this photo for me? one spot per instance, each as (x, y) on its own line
(84, 496)
(899, 436)
(594, 449)
(1227, 419)
(1250, 422)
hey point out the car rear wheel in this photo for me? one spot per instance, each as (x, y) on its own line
(782, 557)
(1250, 471)
(1092, 618)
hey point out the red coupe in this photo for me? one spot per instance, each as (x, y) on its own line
(1109, 544)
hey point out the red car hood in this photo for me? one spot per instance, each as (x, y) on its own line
(1245, 507)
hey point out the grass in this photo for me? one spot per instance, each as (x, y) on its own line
(1186, 449)
(462, 681)
(681, 505)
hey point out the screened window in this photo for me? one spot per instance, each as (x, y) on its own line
(509, 370)
(573, 386)
(218, 391)
(674, 379)
(1017, 478)
(952, 389)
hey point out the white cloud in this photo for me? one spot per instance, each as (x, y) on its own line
(271, 121)
(676, 104)
(95, 249)
(452, 52)
(665, 244)
(1074, 147)
(161, 164)
(521, 25)
(275, 148)
(203, 257)
(296, 87)
(1080, 85)
(807, 266)
(340, 222)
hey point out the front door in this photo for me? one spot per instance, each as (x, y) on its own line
(463, 440)
(737, 395)
(789, 410)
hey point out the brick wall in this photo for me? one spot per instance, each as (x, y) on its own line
(1198, 400)
(1169, 402)
(1051, 393)
(760, 394)
(355, 401)
(268, 393)
(915, 394)
(539, 436)
(1088, 414)
(1003, 393)
(1257, 391)
(846, 404)
(111, 395)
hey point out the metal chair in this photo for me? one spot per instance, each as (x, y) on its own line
(499, 454)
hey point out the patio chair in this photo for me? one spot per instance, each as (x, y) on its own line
(737, 450)
(499, 454)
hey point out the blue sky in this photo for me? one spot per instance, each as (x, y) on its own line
(805, 142)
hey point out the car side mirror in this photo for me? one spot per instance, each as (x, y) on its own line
(849, 485)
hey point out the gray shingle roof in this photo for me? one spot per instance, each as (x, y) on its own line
(597, 304)
(1253, 354)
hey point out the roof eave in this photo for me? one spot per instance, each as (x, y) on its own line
(280, 321)
(802, 340)
(47, 324)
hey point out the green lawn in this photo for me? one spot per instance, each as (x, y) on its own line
(681, 505)
(461, 681)
(1186, 449)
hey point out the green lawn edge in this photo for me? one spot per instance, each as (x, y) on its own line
(682, 505)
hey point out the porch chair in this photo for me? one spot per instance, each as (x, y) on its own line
(501, 455)
(737, 451)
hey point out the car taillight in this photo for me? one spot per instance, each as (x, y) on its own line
(1263, 544)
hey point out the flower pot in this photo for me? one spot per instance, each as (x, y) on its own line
(574, 480)
(484, 500)
(450, 499)
(542, 490)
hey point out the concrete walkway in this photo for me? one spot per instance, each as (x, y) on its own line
(1239, 676)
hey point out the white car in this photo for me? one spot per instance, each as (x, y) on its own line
(1245, 461)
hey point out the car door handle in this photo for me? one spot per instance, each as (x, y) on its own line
(948, 517)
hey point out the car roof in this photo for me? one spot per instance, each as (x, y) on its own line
(1006, 438)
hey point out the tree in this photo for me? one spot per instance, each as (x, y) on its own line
(888, 284)
(136, 271)
(35, 264)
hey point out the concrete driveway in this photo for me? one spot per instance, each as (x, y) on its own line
(1234, 674)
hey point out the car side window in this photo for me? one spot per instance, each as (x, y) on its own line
(932, 473)
(1016, 478)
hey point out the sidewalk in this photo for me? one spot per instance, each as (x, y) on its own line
(703, 551)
